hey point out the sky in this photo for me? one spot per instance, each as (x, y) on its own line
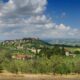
(45, 19)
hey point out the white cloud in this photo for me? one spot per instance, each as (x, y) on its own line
(23, 7)
(26, 18)
(62, 27)
(30, 6)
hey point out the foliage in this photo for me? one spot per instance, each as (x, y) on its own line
(50, 59)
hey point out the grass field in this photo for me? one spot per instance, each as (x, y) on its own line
(38, 77)
(74, 49)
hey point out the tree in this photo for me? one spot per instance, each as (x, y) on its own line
(56, 50)
(62, 51)
(76, 52)
(1, 68)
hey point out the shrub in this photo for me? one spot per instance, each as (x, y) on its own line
(77, 67)
(1, 68)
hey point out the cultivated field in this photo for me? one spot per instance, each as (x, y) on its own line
(74, 49)
(38, 77)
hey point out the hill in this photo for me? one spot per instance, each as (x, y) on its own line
(32, 55)
(25, 45)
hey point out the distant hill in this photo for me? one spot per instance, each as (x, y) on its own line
(65, 41)
(25, 45)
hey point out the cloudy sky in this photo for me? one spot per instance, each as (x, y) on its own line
(46, 19)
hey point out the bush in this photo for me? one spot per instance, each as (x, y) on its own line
(1, 68)
(77, 52)
(77, 67)
(61, 68)
(55, 64)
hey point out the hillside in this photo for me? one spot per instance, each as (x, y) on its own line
(32, 55)
(25, 45)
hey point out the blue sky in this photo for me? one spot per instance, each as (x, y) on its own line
(46, 19)
(5, 1)
(69, 9)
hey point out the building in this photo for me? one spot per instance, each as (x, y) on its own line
(22, 57)
(69, 53)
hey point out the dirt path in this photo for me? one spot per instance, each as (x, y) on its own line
(38, 77)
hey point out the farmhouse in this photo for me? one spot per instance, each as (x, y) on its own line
(69, 53)
(21, 57)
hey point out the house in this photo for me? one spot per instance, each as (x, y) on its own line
(69, 53)
(20, 47)
(21, 57)
(34, 50)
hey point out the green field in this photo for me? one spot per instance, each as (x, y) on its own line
(74, 49)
